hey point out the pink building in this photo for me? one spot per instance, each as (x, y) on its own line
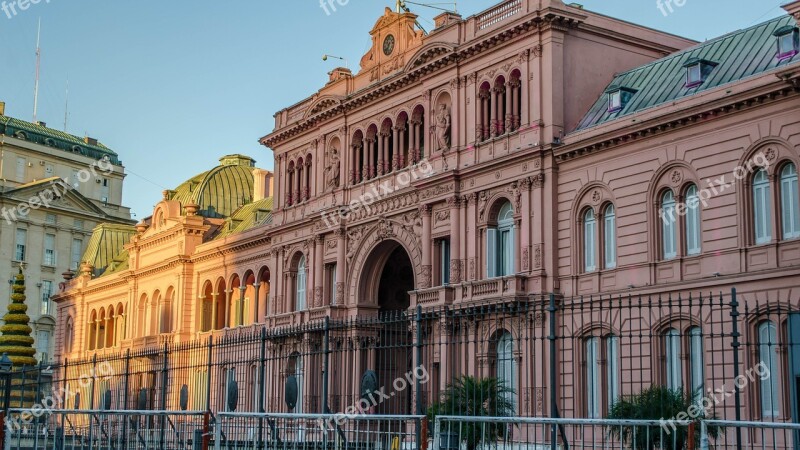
(460, 173)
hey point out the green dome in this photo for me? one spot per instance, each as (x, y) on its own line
(220, 191)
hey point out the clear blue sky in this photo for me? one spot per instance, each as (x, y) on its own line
(174, 85)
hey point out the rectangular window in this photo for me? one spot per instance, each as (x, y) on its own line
(20, 175)
(255, 382)
(330, 276)
(789, 201)
(199, 390)
(51, 219)
(593, 378)
(693, 226)
(444, 261)
(614, 101)
(610, 241)
(49, 250)
(228, 379)
(767, 350)
(507, 252)
(672, 344)
(589, 251)
(78, 223)
(612, 358)
(19, 250)
(76, 252)
(696, 360)
(668, 223)
(491, 253)
(43, 345)
(762, 212)
(47, 291)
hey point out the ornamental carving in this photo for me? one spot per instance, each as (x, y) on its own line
(771, 154)
(596, 197)
(537, 256)
(537, 181)
(525, 262)
(385, 230)
(317, 297)
(425, 281)
(537, 50)
(442, 216)
(331, 244)
(676, 177)
(340, 292)
(524, 55)
(354, 236)
(436, 191)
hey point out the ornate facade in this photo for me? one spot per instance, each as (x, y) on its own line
(527, 193)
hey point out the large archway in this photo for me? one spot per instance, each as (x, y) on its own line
(386, 281)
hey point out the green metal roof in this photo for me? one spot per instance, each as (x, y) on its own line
(220, 191)
(247, 217)
(739, 55)
(49, 137)
(106, 244)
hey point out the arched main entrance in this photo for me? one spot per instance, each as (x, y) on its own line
(386, 281)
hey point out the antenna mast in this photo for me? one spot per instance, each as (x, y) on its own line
(38, 66)
(66, 108)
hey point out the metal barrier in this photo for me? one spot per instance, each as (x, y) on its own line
(755, 435)
(241, 431)
(120, 430)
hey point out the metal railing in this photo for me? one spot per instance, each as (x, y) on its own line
(242, 431)
(40, 429)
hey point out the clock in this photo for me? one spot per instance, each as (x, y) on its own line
(388, 45)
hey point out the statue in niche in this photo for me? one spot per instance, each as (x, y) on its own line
(332, 170)
(443, 128)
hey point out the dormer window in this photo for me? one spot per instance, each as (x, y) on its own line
(697, 71)
(618, 97)
(788, 42)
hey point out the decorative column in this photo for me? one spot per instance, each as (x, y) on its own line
(97, 334)
(416, 124)
(214, 310)
(472, 243)
(256, 301)
(340, 266)
(396, 149)
(515, 85)
(425, 212)
(369, 161)
(289, 186)
(298, 189)
(228, 299)
(240, 314)
(278, 178)
(455, 239)
(493, 112)
(310, 181)
(525, 236)
(319, 242)
(401, 153)
(356, 170)
(381, 150)
(509, 125)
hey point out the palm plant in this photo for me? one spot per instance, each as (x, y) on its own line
(469, 396)
(662, 404)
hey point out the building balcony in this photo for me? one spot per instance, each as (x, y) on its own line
(507, 287)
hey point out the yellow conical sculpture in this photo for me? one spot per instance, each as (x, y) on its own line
(16, 337)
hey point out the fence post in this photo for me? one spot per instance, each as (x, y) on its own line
(262, 379)
(208, 372)
(553, 396)
(735, 344)
(325, 352)
(417, 381)
(125, 391)
(91, 399)
(164, 380)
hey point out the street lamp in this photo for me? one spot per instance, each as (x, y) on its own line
(5, 371)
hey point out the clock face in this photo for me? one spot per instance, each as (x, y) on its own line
(388, 45)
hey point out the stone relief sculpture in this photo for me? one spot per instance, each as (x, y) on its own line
(443, 127)
(332, 170)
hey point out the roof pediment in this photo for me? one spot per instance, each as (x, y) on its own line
(54, 193)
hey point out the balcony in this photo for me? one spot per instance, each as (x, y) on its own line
(472, 291)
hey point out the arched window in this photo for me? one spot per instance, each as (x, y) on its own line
(589, 241)
(761, 208)
(593, 375)
(668, 229)
(296, 369)
(696, 362)
(69, 335)
(500, 244)
(610, 237)
(301, 285)
(506, 366)
(790, 216)
(768, 358)
(612, 356)
(672, 358)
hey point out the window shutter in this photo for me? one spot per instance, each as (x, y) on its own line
(491, 253)
(508, 253)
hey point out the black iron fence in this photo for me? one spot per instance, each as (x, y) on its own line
(540, 356)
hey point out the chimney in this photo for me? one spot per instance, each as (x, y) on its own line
(90, 141)
(445, 19)
(262, 184)
(2, 108)
(793, 8)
